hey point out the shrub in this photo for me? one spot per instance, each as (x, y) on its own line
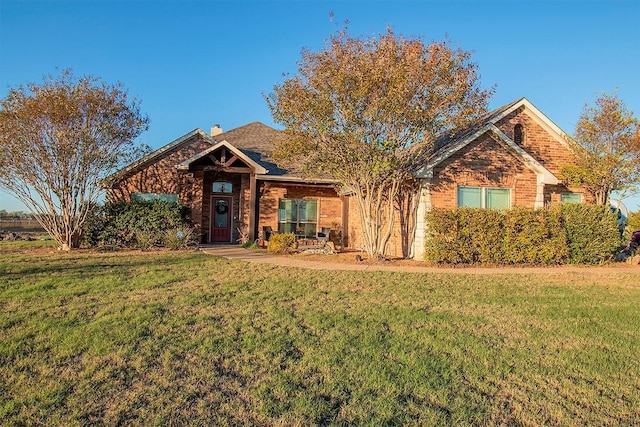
(281, 242)
(464, 236)
(93, 226)
(145, 240)
(557, 234)
(534, 237)
(130, 224)
(592, 233)
(633, 222)
(179, 238)
(442, 239)
(250, 244)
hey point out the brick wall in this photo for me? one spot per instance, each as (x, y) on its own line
(356, 240)
(546, 149)
(483, 163)
(161, 177)
(486, 163)
(330, 205)
(539, 143)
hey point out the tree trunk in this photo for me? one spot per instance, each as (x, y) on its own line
(407, 205)
(377, 215)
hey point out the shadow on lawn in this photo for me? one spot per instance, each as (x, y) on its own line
(91, 265)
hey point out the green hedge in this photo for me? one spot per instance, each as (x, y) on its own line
(140, 224)
(558, 234)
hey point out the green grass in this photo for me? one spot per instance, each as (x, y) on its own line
(186, 338)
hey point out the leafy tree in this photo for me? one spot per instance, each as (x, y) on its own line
(633, 222)
(364, 109)
(607, 146)
(58, 139)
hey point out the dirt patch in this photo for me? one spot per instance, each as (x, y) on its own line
(356, 257)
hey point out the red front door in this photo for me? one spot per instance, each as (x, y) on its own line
(221, 214)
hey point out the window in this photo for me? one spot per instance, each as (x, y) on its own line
(222, 187)
(298, 216)
(484, 197)
(571, 198)
(470, 197)
(147, 197)
(518, 134)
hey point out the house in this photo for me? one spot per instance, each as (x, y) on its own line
(512, 156)
(229, 182)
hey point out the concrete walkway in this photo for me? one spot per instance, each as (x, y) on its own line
(299, 261)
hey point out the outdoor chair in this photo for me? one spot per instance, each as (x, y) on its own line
(267, 231)
(323, 236)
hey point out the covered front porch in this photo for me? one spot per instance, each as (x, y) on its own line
(239, 197)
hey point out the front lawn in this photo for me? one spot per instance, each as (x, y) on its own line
(186, 338)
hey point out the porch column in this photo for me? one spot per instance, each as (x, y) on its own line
(252, 206)
(539, 202)
(345, 221)
(424, 205)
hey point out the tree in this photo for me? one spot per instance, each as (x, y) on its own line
(364, 109)
(58, 139)
(633, 222)
(607, 147)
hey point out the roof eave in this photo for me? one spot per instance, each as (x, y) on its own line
(120, 174)
(545, 175)
(295, 179)
(258, 169)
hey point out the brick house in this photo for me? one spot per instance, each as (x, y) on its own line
(228, 181)
(512, 156)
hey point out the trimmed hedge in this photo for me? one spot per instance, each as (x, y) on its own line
(557, 234)
(141, 224)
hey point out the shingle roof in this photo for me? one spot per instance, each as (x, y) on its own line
(492, 117)
(149, 158)
(448, 145)
(257, 141)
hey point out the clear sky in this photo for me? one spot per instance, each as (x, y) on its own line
(197, 63)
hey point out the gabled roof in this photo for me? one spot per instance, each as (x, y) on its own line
(257, 141)
(252, 143)
(149, 158)
(254, 136)
(257, 167)
(447, 146)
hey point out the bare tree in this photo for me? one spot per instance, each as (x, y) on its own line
(58, 139)
(362, 110)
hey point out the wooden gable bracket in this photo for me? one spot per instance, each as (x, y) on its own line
(230, 161)
(223, 162)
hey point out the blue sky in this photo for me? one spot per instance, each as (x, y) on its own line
(198, 63)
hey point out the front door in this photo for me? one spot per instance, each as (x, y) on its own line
(221, 208)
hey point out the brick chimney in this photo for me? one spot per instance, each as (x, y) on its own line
(216, 130)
